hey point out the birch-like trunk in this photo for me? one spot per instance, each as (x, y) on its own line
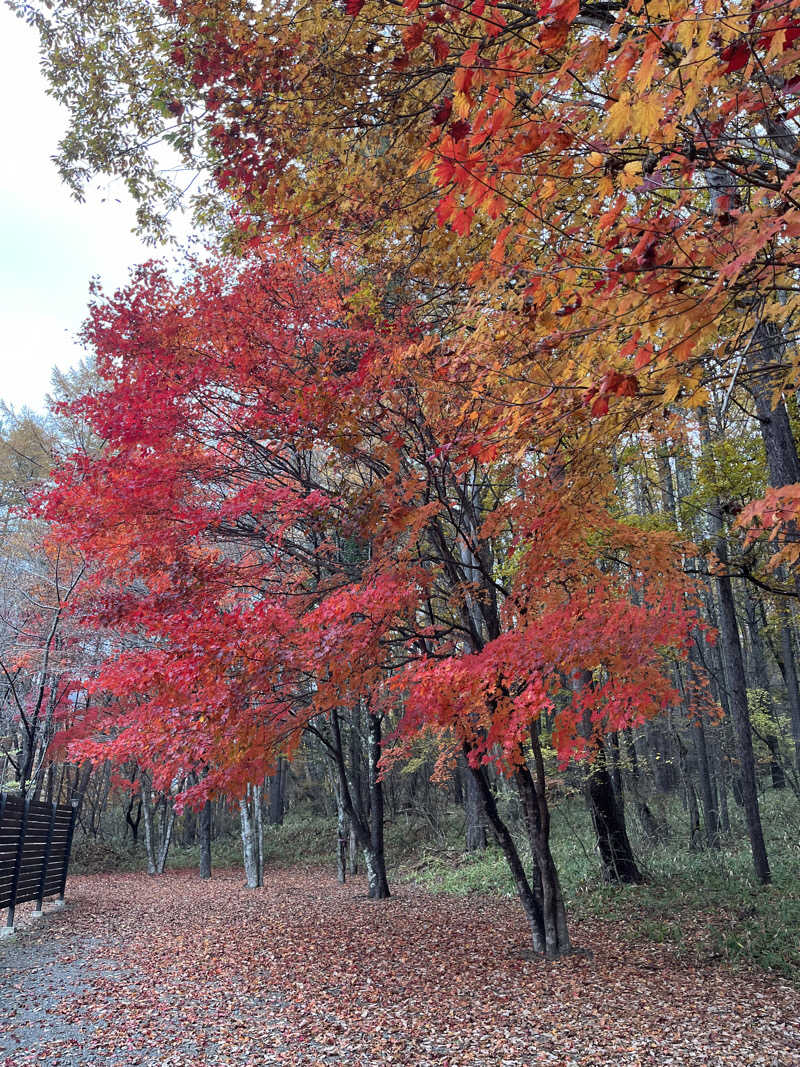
(147, 817)
(252, 847)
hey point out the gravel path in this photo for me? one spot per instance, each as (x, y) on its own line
(41, 967)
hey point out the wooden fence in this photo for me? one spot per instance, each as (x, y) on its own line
(35, 842)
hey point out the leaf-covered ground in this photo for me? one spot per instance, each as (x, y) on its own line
(179, 972)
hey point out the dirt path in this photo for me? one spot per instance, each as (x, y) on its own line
(181, 973)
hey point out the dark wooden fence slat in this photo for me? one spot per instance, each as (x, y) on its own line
(15, 878)
(46, 860)
(67, 849)
(27, 889)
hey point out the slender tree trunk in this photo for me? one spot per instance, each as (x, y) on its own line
(759, 664)
(251, 847)
(167, 826)
(605, 806)
(608, 818)
(258, 808)
(651, 827)
(533, 797)
(342, 834)
(204, 828)
(790, 679)
(697, 718)
(374, 856)
(530, 904)
(473, 810)
(722, 780)
(737, 699)
(368, 827)
(147, 816)
(352, 859)
(690, 796)
(710, 814)
(731, 652)
(765, 356)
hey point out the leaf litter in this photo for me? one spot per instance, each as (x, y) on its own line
(178, 972)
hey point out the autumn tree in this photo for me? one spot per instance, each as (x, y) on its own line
(300, 526)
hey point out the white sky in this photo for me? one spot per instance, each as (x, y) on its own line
(50, 245)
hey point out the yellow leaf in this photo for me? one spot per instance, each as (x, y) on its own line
(645, 115)
(618, 119)
(698, 399)
(631, 175)
(461, 105)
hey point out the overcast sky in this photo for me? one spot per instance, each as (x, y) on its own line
(50, 246)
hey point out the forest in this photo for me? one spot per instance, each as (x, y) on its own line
(434, 517)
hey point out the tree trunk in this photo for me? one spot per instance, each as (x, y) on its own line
(204, 828)
(736, 684)
(759, 658)
(722, 793)
(790, 679)
(258, 806)
(147, 815)
(652, 828)
(695, 714)
(342, 834)
(166, 826)
(533, 797)
(690, 797)
(132, 821)
(251, 848)
(737, 699)
(530, 902)
(764, 358)
(368, 827)
(616, 766)
(374, 857)
(608, 818)
(475, 828)
(707, 794)
(352, 859)
(605, 807)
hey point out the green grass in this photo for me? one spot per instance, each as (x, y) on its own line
(301, 840)
(706, 906)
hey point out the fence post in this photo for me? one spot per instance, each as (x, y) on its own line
(9, 929)
(45, 861)
(74, 802)
(3, 797)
